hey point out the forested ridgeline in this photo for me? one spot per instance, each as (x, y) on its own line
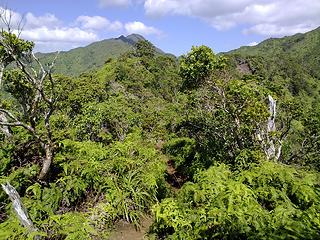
(210, 146)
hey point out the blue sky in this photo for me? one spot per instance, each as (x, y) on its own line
(172, 25)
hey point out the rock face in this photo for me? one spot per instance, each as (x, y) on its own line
(271, 144)
(271, 127)
(243, 67)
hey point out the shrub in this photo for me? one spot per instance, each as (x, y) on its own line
(270, 201)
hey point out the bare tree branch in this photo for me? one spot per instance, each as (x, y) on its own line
(42, 84)
(19, 208)
(8, 113)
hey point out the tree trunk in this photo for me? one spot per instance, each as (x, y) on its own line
(19, 208)
(1, 73)
(4, 129)
(46, 162)
(3, 117)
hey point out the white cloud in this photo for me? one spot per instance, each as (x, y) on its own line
(141, 28)
(115, 26)
(159, 8)
(47, 30)
(276, 30)
(264, 17)
(56, 46)
(118, 3)
(95, 22)
(48, 20)
(98, 23)
(51, 34)
(67, 35)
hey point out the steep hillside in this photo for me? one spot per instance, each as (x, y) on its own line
(304, 49)
(93, 56)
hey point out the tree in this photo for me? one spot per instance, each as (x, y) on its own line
(32, 85)
(303, 145)
(144, 48)
(145, 51)
(197, 66)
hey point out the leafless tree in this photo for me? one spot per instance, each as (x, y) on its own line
(14, 50)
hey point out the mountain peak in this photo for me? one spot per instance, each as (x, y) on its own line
(93, 56)
(131, 39)
(136, 37)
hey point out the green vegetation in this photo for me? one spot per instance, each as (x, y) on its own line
(268, 201)
(295, 57)
(91, 57)
(189, 143)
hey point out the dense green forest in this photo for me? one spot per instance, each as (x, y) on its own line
(207, 146)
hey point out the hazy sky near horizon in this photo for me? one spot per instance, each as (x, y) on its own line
(172, 25)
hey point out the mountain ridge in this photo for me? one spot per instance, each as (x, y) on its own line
(304, 48)
(92, 56)
(315, 31)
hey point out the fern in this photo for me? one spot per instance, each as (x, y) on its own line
(258, 203)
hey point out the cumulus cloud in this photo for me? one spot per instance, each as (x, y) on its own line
(47, 30)
(56, 46)
(51, 34)
(98, 23)
(160, 8)
(67, 35)
(276, 30)
(264, 17)
(141, 28)
(49, 20)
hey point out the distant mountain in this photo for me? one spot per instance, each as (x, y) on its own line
(93, 56)
(304, 49)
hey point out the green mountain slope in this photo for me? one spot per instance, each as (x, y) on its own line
(93, 56)
(304, 49)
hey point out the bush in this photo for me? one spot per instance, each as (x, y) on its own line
(122, 181)
(270, 201)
